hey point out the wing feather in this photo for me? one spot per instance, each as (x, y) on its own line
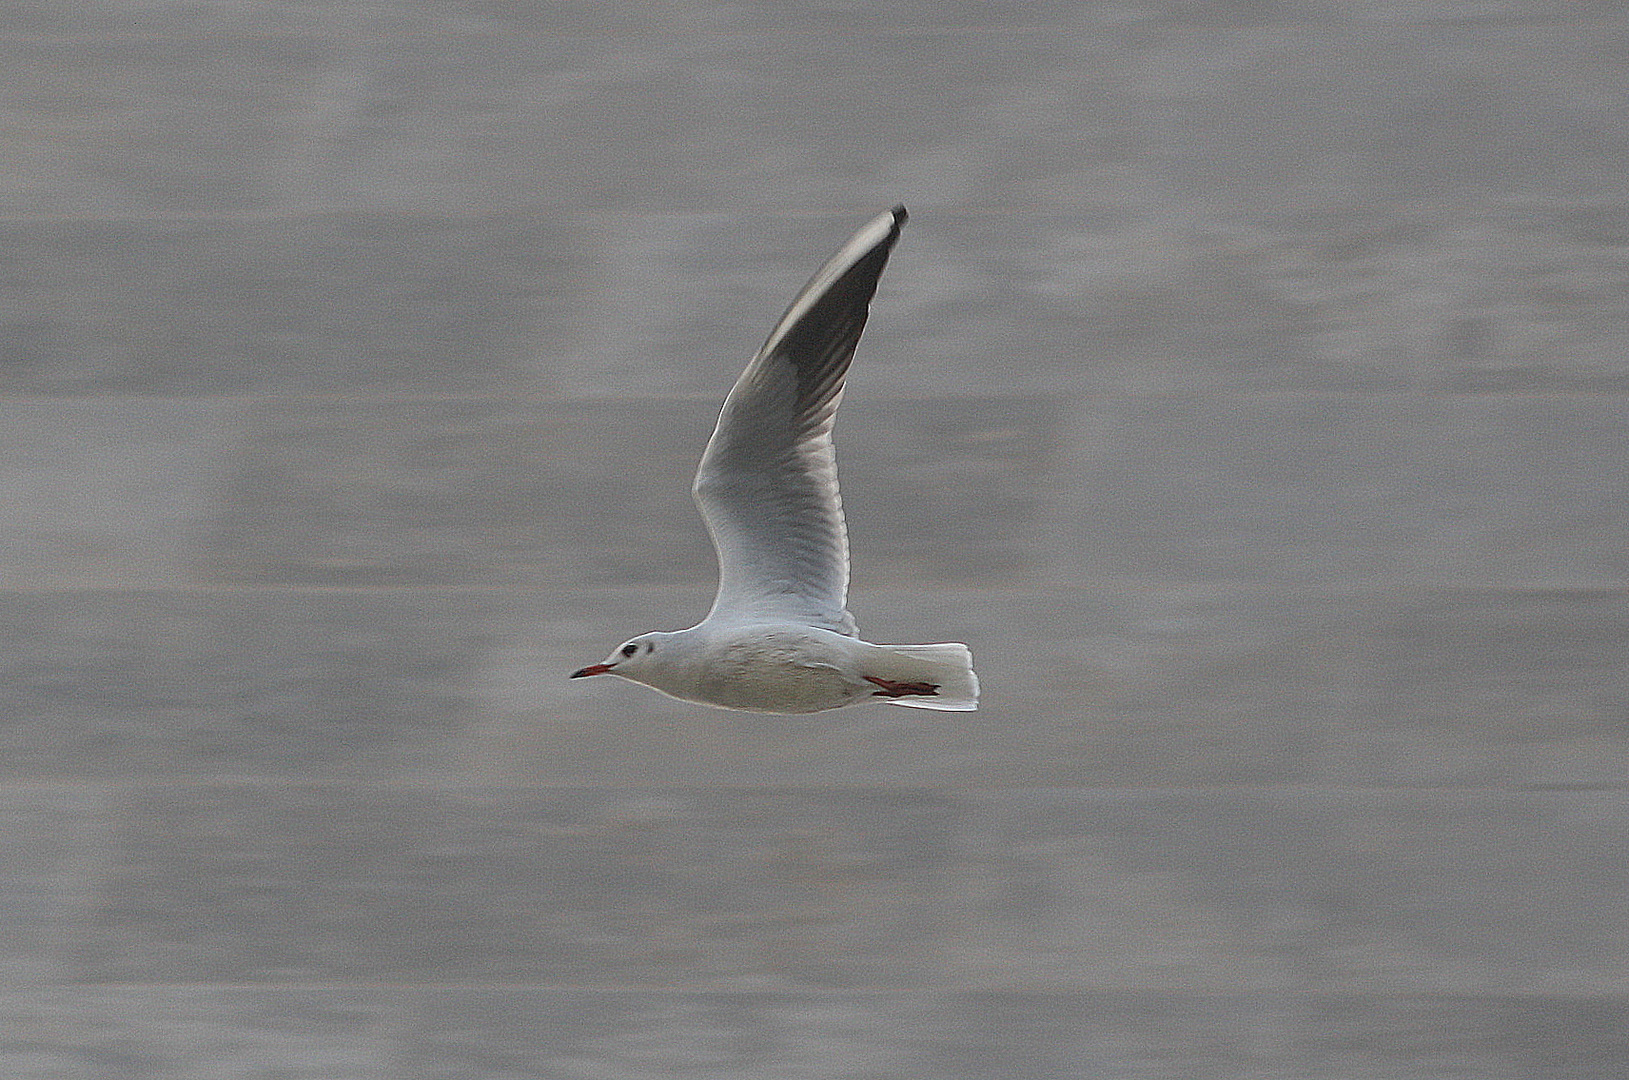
(767, 485)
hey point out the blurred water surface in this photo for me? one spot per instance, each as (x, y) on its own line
(1248, 390)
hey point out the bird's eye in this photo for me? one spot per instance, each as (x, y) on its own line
(630, 648)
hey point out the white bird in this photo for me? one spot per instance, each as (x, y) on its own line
(779, 638)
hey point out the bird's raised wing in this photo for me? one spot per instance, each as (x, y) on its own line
(767, 485)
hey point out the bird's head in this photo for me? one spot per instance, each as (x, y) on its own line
(639, 659)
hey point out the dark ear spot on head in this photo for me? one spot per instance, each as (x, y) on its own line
(650, 646)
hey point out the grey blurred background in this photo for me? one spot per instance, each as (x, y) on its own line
(1248, 390)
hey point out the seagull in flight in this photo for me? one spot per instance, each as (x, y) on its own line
(779, 637)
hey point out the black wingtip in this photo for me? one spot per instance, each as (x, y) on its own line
(900, 216)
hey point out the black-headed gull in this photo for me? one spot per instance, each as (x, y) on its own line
(779, 638)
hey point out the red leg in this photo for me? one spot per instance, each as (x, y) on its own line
(901, 689)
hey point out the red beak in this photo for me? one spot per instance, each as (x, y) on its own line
(592, 669)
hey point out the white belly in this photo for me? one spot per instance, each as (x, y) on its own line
(779, 672)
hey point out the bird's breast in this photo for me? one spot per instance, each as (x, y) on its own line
(778, 672)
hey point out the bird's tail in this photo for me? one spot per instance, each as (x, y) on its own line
(947, 667)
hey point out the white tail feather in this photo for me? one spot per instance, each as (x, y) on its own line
(948, 666)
